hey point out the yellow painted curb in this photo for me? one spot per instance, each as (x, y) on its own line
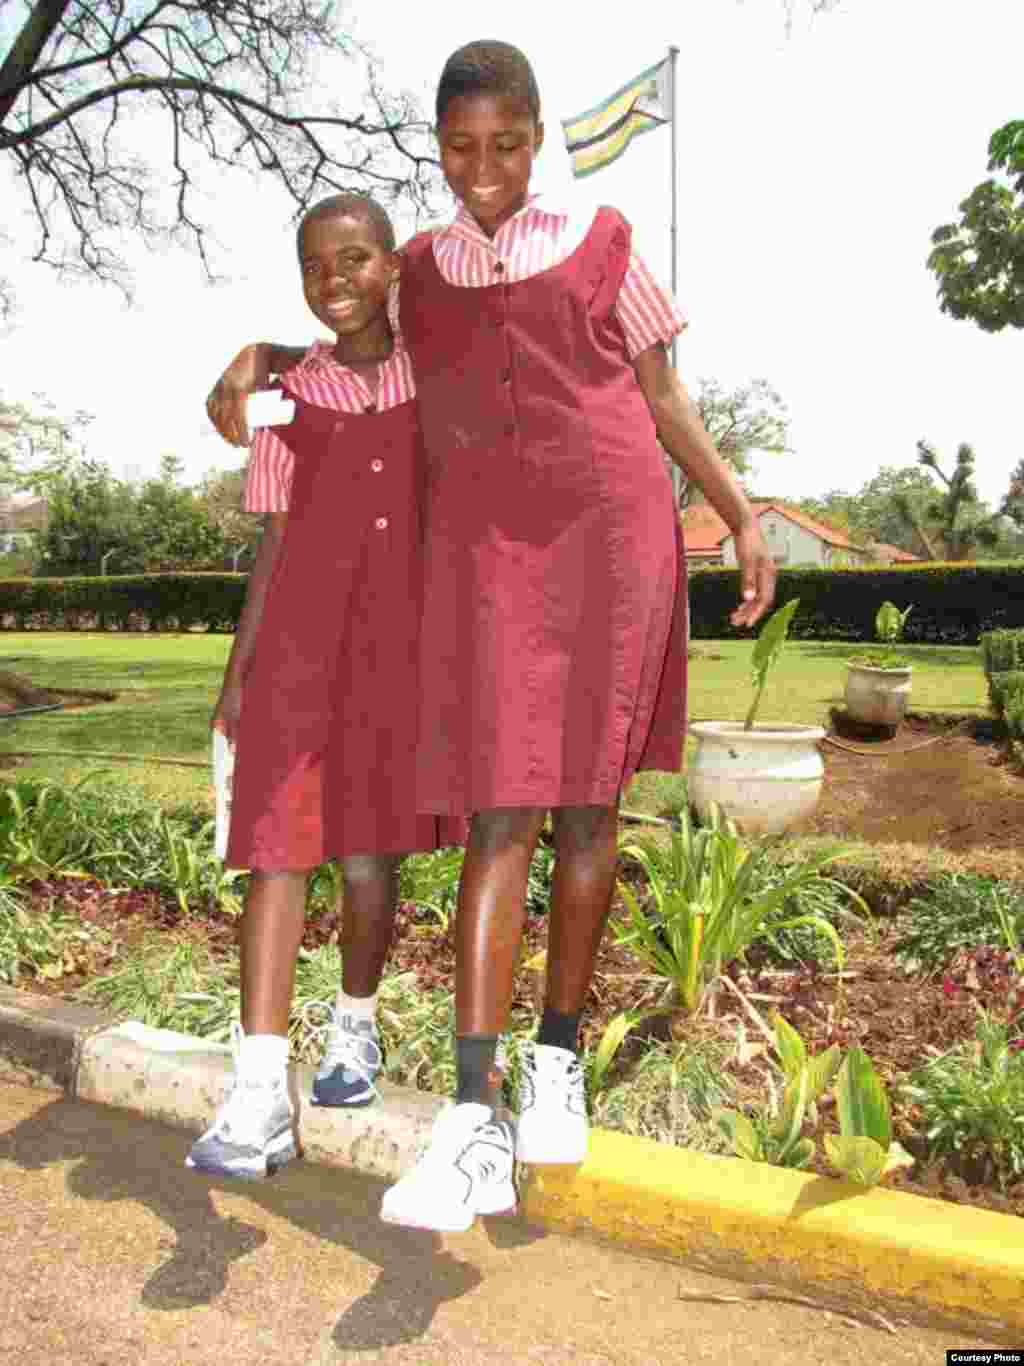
(926, 1260)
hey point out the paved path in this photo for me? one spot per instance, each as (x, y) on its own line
(112, 1254)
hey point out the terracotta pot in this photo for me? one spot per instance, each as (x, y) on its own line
(765, 780)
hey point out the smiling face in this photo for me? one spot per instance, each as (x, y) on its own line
(488, 144)
(346, 273)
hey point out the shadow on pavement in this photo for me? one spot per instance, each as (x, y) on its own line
(127, 1157)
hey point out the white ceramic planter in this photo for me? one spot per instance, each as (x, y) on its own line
(765, 780)
(877, 697)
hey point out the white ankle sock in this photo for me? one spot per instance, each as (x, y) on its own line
(362, 1007)
(261, 1057)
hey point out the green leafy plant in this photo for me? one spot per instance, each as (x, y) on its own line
(957, 911)
(821, 1068)
(705, 906)
(865, 1149)
(538, 883)
(431, 882)
(881, 659)
(782, 941)
(43, 827)
(890, 621)
(183, 987)
(38, 943)
(669, 1094)
(889, 624)
(192, 869)
(767, 649)
(971, 1099)
(774, 1135)
(599, 1060)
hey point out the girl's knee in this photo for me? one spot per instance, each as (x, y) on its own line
(362, 870)
(267, 877)
(505, 827)
(582, 829)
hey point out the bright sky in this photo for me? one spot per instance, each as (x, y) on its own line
(812, 170)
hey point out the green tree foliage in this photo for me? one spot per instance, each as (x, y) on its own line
(173, 524)
(979, 260)
(964, 523)
(36, 441)
(221, 494)
(751, 417)
(91, 513)
(907, 507)
(157, 525)
(870, 514)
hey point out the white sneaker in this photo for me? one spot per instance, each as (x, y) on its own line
(552, 1125)
(351, 1064)
(466, 1170)
(253, 1131)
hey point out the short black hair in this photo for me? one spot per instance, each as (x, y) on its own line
(488, 67)
(350, 205)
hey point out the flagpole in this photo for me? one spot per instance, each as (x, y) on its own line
(673, 53)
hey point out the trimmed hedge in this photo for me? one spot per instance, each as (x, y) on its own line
(135, 602)
(1002, 654)
(953, 603)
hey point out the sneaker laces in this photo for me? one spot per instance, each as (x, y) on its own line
(451, 1130)
(346, 1047)
(550, 1070)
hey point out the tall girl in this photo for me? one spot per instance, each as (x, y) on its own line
(320, 690)
(554, 623)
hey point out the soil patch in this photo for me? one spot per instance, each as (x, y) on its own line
(932, 783)
(895, 1016)
(19, 694)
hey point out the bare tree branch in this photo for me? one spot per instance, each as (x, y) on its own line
(227, 78)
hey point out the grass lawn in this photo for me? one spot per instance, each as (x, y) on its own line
(168, 684)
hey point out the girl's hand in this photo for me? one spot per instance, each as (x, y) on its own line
(226, 406)
(228, 711)
(757, 575)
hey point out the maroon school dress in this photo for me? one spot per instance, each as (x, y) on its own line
(554, 628)
(327, 739)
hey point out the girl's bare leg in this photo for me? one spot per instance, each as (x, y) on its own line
(491, 914)
(488, 929)
(586, 849)
(269, 939)
(370, 892)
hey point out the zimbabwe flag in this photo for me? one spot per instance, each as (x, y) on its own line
(602, 134)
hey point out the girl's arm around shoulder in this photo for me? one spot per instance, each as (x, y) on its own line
(250, 371)
(684, 437)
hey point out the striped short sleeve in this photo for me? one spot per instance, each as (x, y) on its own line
(648, 313)
(268, 479)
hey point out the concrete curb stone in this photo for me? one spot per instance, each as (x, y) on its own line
(874, 1252)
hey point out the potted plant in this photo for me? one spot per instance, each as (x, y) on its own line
(764, 777)
(878, 679)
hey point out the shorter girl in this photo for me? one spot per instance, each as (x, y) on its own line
(320, 691)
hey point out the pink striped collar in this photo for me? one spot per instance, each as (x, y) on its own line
(465, 225)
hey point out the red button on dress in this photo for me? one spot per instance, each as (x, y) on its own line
(554, 629)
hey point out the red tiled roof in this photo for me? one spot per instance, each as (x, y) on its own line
(704, 530)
